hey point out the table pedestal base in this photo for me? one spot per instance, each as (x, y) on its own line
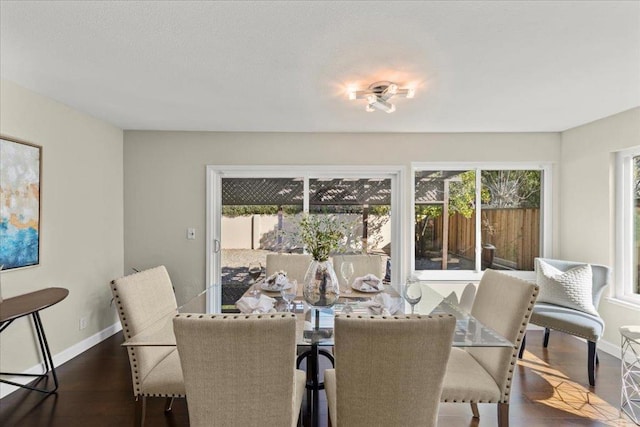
(312, 356)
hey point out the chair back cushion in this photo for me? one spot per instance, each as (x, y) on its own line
(504, 303)
(390, 369)
(238, 369)
(362, 265)
(601, 274)
(295, 265)
(142, 300)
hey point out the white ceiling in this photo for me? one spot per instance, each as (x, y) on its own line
(478, 66)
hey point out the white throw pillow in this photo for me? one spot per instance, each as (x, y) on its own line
(571, 288)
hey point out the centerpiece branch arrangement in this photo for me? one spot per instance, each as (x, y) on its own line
(321, 235)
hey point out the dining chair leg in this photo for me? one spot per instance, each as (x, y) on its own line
(545, 343)
(524, 343)
(141, 409)
(474, 410)
(503, 415)
(591, 359)
(168, 403)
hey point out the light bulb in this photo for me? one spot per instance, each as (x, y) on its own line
(411, 92)
(372, 99)
(369, 109)
(352, 94)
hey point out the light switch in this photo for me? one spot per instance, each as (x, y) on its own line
(191, 233)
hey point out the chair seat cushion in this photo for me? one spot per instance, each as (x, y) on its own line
(165, 379)
(466, 380)
(567, 320)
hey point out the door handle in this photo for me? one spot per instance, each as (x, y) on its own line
(216, 246)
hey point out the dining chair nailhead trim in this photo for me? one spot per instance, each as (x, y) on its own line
(126, 331)
(406, 317)
(241, 317)
(137, 392)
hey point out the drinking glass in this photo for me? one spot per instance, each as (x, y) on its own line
(289, 294)
(412, 293)
(346, 271)
(255, 270)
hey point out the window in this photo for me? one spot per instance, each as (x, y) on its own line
(628, 225)
(467, 219)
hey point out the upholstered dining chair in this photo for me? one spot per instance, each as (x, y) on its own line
(362, 265)
(483, 374)
(144, 299)
(565, 312)
(401, 357)
(295, 265)
(239, 369)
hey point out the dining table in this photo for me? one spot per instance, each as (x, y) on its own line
(314, 328)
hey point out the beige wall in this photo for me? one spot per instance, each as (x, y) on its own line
(587, 188)
(81, 222)
(164, 175)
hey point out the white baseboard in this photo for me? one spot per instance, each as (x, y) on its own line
(62, 357)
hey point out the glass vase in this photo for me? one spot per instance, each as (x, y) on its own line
(321, 288)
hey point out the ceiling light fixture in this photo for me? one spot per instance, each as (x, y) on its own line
(378, 95)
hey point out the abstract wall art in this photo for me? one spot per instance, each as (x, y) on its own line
(20, 167)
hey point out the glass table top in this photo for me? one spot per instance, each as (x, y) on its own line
(469, 332)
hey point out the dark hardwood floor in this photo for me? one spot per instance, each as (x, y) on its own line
(550, 388)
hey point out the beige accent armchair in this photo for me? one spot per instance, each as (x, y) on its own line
(296, 265)
(483, 374)
(239, 370)
(143, 299)
(389, 370)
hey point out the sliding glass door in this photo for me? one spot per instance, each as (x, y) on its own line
(252, 212)
(255, 218)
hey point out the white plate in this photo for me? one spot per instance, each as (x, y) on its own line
(371, 291)
(265, 286)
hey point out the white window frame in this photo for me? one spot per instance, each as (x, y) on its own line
(215, 173)
(625, 226)
(475, 275)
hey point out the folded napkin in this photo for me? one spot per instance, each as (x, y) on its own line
(277, 281)
(368, 283)
(263, 304)
(383, 304)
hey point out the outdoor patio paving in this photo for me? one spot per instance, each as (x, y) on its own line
(235, 275)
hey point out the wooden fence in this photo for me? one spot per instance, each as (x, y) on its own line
(514, 232)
